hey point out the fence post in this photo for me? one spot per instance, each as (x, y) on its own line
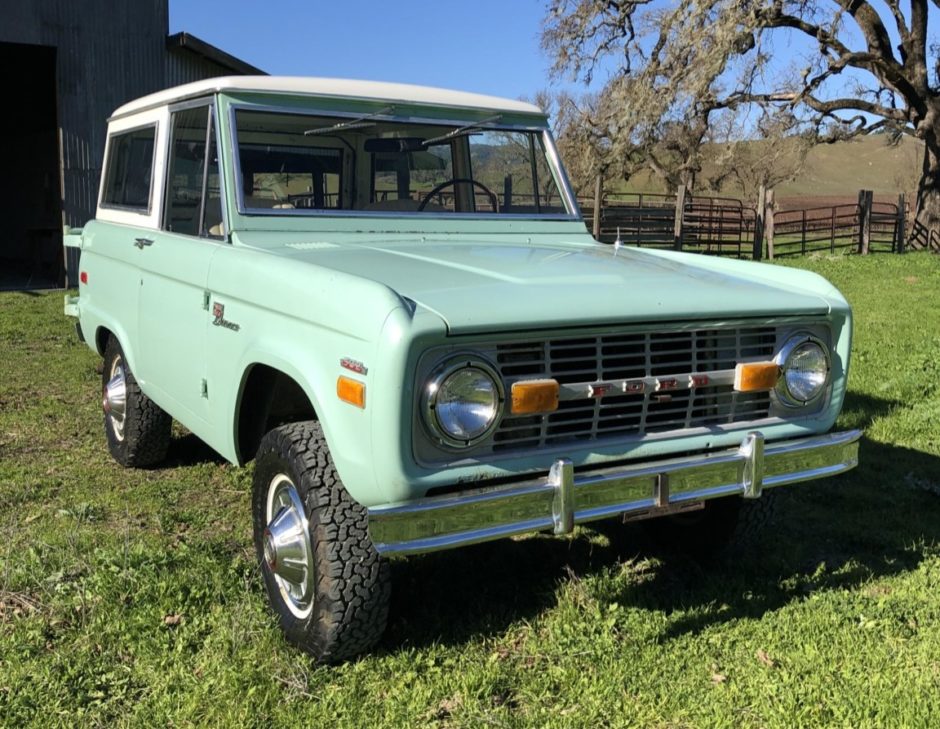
(803, 234)
(759, 222)
(901, 223)
(678, 227)
(598, 198)
(832, 231)
(769, 223)
(507, 191)
(864, 221)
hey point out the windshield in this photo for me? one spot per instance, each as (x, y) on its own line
(295, 162)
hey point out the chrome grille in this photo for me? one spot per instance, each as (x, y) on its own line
(571, 360)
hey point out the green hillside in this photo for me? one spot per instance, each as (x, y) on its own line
(834, 170)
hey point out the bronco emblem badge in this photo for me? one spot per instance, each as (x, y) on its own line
(219, 320)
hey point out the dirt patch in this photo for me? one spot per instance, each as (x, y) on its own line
(16, 605)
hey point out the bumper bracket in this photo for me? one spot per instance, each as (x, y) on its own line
(561, 477)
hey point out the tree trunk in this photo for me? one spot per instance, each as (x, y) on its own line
(928, 190)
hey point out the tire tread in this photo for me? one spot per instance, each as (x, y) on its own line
(146, 424)
(353, 582)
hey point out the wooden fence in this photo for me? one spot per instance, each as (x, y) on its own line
(722, 226)
(922, 238)
(726, 226)
(836, 229)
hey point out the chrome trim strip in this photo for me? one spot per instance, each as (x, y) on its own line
(378, 214)
(561, 174)
(332, 112)
(562, 499)
(236, 161)
(223, 187)
(192, 103)
(638, 385)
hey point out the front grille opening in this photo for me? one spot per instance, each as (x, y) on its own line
(626, 356)
(520, 360)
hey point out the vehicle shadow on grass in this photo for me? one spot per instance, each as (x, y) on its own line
(838, 533)
(189, 450)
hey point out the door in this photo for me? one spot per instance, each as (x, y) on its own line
(127, 210)
(173, 311)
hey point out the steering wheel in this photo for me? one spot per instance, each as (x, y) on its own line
(455, 181)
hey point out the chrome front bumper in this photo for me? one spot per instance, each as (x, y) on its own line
(563, 498)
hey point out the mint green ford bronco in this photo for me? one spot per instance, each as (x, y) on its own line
(386, 297)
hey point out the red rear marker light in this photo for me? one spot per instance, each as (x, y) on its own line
(83, 277)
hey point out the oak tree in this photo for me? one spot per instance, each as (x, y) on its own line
(864, 67)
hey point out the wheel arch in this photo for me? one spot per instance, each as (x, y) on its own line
(346, 429)
(268, 395)
(105, 332)
(102, 336)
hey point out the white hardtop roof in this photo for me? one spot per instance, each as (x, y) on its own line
(331, 87)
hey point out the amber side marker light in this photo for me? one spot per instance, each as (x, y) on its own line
(351, 391)
(534, 396)
(756, 376)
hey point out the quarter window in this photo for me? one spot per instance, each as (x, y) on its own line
(129, 175)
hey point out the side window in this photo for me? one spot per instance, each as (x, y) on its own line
(193, 199)
(129, 176)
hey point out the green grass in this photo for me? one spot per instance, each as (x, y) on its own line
(132, 598)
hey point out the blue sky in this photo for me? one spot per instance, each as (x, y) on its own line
(487, 46)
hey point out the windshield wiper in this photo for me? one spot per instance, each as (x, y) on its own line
(465, 129)
(358, 123)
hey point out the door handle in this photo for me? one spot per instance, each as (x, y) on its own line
(141, 242)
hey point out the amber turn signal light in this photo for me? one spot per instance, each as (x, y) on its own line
(756, 376)
(534, 396)
(351, 391)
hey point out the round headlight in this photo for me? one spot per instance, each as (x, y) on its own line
(463, 402)
(805, 364)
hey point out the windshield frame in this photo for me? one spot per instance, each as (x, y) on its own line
(551, 156)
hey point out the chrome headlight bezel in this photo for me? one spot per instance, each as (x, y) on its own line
(784, 358)
(447, 368)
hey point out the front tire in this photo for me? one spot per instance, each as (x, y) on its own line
(137, 429)
(325, 580)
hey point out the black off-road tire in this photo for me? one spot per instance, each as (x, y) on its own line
(146, 431)
(351, 583)
(723, 523)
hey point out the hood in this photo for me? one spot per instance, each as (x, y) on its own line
(478, 287)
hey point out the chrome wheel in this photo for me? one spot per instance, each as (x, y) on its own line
(114, 398)
(286, 543)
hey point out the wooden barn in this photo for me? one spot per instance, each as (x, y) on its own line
(65, 66)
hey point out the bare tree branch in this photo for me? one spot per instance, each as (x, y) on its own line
(679, 62)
